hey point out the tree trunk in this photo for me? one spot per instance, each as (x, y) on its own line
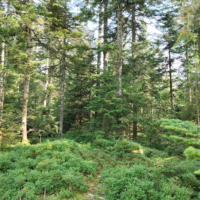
(50, 82)
(197, 94)
(47, 82)
(99, 46)
(190, 90)
(188, 76)
(119, 52)
(26, 91)
(135, 123)
(197, 81)
(119, 61)
(105, 61)
(133, 52)
(99, 39)
(105, 53)
(62, 94)
(25, 106)
(197, 102)
(2, 86)
(2, 82)
(170, 81)
(133, 28)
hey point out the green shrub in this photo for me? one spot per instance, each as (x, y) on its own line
(120, 147)
(26, 171)
(181, 131)
(127, 146)
(100, 142)
(139, 182)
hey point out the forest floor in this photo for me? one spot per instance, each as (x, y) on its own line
(64, 169)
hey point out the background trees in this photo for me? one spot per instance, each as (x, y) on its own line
(119, 77)
(116, 81)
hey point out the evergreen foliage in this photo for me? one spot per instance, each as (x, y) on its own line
(97, 73)
(26, 171)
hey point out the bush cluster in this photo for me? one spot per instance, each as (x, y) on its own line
(52, 167)
(140, 182)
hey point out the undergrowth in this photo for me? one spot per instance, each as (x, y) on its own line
(62, 169)
(28, 171)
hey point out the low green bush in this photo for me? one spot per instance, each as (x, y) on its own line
(127, 146)
(119, 147)
(26, 171)
(63, 169)
(141, 183)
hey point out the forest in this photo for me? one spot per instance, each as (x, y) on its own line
(99, 99)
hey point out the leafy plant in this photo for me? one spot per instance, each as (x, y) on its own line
(26, 171)
(140, 182)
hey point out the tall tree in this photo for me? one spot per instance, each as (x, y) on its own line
(105, 35)
(119, 50)
(169, 38)
(62, 92)
(2, 81)
(27, 78)
(134, 66)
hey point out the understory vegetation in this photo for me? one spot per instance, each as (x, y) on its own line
(107, 169)
(99, 99)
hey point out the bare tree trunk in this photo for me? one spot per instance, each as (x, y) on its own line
(45, 193)
(119, 52)
(105, 53)
(188, 76)
(133, 52)
(99, 46)
(2, 81)
(99, 39)
(26, 92)
(119, 60)
(190, 90)
(50, 82)
(170, 81)
(105, 61)
(25, 106)
(135, 123)
(47, 82)
(2, 86)
(3, 76)
(197, 102)
(197, 95)
(62, 94)
(133, 28)
(197, 81)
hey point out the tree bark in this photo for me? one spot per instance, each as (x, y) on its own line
(197, 94)
(25, 106)
(62, 95)
(105, 19)
(26, 91)
(119, 52)
(105, 61)
(197, 102)
(47, 82)
(119, 61)
(133, 54)
(99, 39)
(170, 81)
(99, 47)
(197, 81)
(2, 81)
(50, 82)
(4, 63)
(188, 76)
